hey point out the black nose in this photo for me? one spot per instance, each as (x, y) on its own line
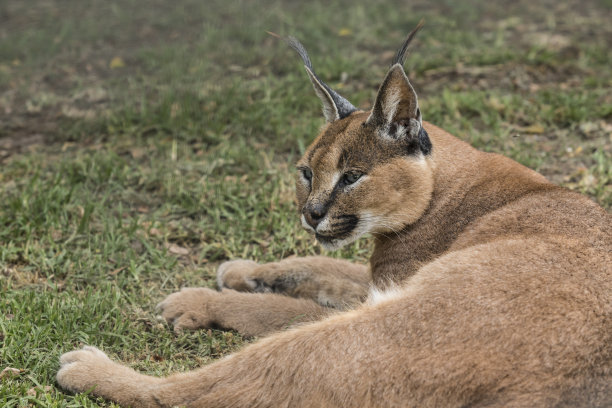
(314, 214)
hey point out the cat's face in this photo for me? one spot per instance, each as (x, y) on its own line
(366, 171)
(353, 180)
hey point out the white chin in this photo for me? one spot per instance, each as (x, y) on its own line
(334, 244)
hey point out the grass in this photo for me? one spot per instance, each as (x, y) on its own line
(143, 144)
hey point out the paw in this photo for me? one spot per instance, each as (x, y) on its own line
(189, 308)
(81, 369)
(237, 275)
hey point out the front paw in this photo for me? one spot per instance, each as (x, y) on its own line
(236, 275)
(189, 308)
(82, 370)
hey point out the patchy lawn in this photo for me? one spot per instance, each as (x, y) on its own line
(143, 143)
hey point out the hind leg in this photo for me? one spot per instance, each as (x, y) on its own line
(329, 282)
(459, 333)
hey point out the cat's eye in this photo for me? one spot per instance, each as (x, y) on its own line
(351, 177)
(307, 174)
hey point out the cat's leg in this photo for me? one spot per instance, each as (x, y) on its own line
(460, 333)
(269, 297)
(341, 361)
(329, 282)
(251, 314)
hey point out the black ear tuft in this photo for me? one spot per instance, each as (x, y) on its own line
(334, 106)
(400, 56)
(396, 113)
(299, 48)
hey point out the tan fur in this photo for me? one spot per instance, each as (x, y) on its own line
(501, 289)
(389, 181)
(330, 282)
(250, 314)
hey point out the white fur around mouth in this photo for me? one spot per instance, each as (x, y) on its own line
(307, 226)
(328, 242)
(331, 244)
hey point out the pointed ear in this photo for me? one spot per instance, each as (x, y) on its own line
(330, 110)
(334, 106)
(396, 111)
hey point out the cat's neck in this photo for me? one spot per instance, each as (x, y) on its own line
(467, 185)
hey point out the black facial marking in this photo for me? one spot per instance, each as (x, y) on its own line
(344, 226)
(334, 193)
(346, 217)
(424, 142)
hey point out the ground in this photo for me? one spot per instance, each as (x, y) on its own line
(144, 142)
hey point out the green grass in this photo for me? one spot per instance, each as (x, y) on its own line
(190, 141)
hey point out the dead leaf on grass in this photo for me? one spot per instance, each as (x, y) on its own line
(571, 152)
(10, 372)
(74, 112)
(496, 104)
(116, 62)
(137, 152)
(56, 234)
(36, 390)
(534, 129)
(175, 109)
(550, 41)
(177, 250)
(116, 271)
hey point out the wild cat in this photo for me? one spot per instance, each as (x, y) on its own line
(493, 287)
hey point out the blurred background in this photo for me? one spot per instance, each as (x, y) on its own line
(144, 142)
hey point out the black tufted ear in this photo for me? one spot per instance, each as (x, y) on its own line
(396, 110)
(334, 106)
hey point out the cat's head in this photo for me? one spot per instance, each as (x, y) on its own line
(366, 172)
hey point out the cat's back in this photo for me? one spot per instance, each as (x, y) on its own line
(549, 213)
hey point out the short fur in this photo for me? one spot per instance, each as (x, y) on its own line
(493, 287)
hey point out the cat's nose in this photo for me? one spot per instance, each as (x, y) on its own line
(314, 214)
